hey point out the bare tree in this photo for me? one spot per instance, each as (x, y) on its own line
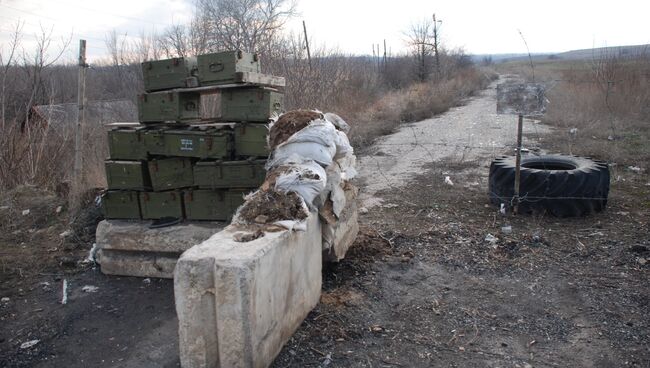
(36, 63)
(422, 42)
(14, 42)
(186, 39)
(248, 25)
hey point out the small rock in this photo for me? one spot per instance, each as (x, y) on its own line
(363, 210)
(90, 289)
(68, 262)
(243, 237)
(29, 344)
(25, 212)
(261, 219)
(5, 300)
(506, 229)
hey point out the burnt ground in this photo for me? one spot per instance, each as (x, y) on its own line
(422, 287)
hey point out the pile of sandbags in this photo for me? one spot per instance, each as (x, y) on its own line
(309, 168)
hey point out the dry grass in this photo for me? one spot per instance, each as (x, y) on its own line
(43, 156)
(601, 107)
(417, 102)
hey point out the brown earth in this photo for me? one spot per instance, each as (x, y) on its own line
(290, 123)
(422, 287)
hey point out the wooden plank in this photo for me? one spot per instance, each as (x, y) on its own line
(260, 79)
(527, 99)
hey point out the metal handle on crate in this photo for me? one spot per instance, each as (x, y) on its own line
(216, 67)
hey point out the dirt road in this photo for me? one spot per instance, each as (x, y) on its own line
(470, 132)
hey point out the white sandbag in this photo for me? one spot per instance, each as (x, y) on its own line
(333, 189)
(317, 131)
(347, 165)
(307, 179)
(343, 147)
(308, 151)
(338, 122)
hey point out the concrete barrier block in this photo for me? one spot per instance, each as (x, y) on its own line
(138, 264)
(137, 236)
(239, 302)
(131, 248)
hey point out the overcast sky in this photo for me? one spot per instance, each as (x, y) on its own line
(352, 26)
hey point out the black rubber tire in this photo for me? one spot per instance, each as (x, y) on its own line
(563, 186)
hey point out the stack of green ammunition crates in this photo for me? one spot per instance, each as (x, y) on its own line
(174, 164)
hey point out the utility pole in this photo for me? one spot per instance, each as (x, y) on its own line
(435, 42)
(304, 27)
(384, 55)
(81, 120)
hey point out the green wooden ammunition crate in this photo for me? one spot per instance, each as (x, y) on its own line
(169, 73)
(127, 144)
(160, 107)
(215, 205)
(220, 67)
(171, 173)
(250, 104)
(212, 143)
(250, 140)
(229, 174)
(121, 205)
(129, 175)
(157, 205)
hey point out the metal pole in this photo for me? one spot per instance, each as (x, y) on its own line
(304, 27)
(81, 116)
(520, 126)
(435, 43)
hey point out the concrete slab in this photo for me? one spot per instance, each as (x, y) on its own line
(137, 236)
(138, 264)
(239, 303)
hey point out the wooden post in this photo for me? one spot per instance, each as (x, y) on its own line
(81, 119)
(520, 126)
(435, 43)
(304, 27)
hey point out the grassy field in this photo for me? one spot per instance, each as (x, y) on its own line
(600, 107)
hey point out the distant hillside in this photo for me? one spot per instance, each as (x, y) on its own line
(622, 51)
